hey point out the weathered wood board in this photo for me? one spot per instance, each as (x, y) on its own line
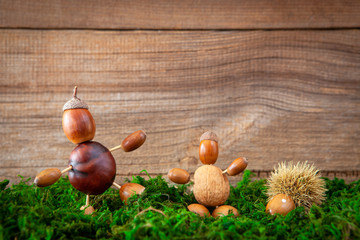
(271, 96)
(185, 14)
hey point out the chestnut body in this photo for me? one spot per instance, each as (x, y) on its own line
(94, 168)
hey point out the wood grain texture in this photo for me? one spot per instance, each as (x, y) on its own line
(271, 96)
(186, 14)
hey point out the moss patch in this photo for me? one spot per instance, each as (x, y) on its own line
(28, 212)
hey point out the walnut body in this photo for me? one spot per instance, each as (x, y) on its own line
(211, 187)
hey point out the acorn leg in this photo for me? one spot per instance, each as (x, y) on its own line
(224, 210)
(199, 209)
(88, 208)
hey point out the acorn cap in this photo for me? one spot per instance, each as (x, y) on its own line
(75, 102)
(209, 136)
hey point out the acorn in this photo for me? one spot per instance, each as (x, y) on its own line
(211, 187)
(302, 182)
(225, 210)
(78, 123)
(237, 166)
(93, 168)
(129, 189)
(133, 141)
(47, 177)
(281, 204)
(199, 209)
(208, 149)
(89, 210)
(179, 176)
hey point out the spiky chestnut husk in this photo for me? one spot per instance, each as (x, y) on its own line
(302, 182)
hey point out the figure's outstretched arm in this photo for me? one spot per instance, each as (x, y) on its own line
(131, 142)
(237, 166)
(179, 176)
(49, 176)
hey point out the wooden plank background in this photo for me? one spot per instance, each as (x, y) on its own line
(185, 14)
(283, 95)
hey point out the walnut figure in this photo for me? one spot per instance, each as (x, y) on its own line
(211, 185)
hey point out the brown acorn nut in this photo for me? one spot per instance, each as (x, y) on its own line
(47, 177)
(88, 209)
(225, 210)
(78, 123)
(133, 141)
(237, 166)
(179, 176)
(211, 187)
(208, 149)
(129, 189)
(93, 168)
(281, 203)
(199, 209)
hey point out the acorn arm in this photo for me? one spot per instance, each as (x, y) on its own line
(237, 166)
(49, 176)
(131, 142)
(179, 176)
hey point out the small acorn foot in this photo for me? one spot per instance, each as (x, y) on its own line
(88, 209)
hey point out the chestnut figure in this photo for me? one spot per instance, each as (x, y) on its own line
(211, 185)
(78, 123)
(93, 168)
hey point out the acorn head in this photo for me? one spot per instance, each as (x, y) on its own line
(78, 123)
(208, 149)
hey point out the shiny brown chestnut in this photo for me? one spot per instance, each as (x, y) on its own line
(93, 168)
(78, 123)
(208, 148)
(281, 204)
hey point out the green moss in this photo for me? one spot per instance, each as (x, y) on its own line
(28, 212)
